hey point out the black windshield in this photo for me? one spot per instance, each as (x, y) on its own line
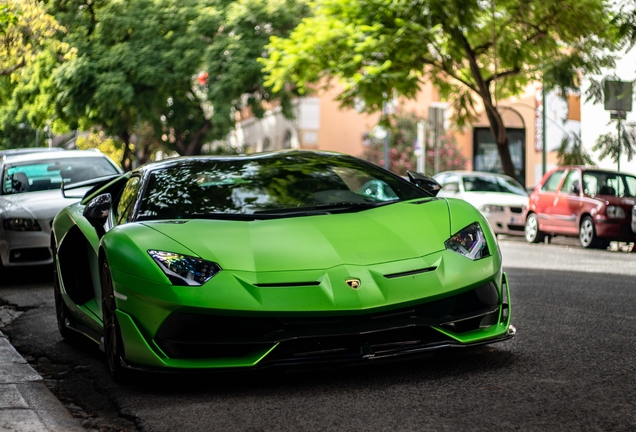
(283, 184)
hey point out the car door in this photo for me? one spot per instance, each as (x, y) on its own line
(543, 202)
(567, 203)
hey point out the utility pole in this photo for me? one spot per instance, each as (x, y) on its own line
(385, 112)
(421, 148)
(544, 122)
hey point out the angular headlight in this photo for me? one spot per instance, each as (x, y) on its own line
(469, 242)
(489, 208)
(20, 224)
(615, 212)
(184, 270)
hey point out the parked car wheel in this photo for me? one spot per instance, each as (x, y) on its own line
(587, 233)
(533, 235)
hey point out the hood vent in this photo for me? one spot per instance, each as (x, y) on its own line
(410, 272)
(287, 284)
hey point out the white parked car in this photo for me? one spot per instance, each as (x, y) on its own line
(31, 196)
(501, 199)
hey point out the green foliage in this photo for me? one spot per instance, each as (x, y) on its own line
(99, 141)
(25, 31)
(402, 139)
(142, 57)
(572, 152)
(469, 49)
(609, 145)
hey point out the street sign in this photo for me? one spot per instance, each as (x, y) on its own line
(618, 96)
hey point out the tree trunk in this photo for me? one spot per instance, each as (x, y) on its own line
(497, 127)
(126, 161)
(193, 148)
(498, 130)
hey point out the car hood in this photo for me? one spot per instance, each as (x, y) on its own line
(390, 233)
(479, 199)
(34, 205)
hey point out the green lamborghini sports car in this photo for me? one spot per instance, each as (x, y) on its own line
(284, 258)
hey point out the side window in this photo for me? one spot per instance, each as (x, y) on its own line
(631, 186)
(590, 184)
(553, 181)
(127, 200)
(571, 180)
(451, 184)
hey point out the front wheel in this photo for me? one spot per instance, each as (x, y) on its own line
(587, 233)
(588, 237)
(533, 235)
(113, 342)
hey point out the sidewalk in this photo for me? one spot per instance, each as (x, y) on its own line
(26, 404)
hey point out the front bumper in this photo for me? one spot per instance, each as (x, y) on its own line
(507, 222)
(26, 248)
(615, 229)
(195, 338)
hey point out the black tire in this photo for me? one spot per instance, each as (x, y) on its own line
(532, 233)
(587, 234)
(113, 342)
(62, 313)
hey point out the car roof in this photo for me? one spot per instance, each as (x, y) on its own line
(463, 173)
(26, 150)
(590, 168)
(279, 154)
(66, 154)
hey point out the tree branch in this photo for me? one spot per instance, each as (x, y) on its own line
(9, 71)
(503, 74)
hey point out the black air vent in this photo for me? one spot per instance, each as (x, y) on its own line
(287, 284)
(410, 272)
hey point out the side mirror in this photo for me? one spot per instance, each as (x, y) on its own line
(451, 187)
(575, 189)
(424, 182)
(96, 210)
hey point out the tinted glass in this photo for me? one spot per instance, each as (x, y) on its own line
(608, 183)
(127, 200)
(49, 174)
(272, 184)
(553, 181)
(492, 184)
(571, 180)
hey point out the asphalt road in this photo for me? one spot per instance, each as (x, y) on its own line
(571, 366)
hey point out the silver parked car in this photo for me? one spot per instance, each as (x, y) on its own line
(501, 199)
(30, 197)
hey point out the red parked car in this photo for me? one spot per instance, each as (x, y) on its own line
(594, 204)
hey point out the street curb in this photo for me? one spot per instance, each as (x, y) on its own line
(26, 404)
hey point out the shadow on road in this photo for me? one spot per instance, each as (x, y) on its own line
(25, 275)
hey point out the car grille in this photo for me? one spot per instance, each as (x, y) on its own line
(516, 209)
(189, 335)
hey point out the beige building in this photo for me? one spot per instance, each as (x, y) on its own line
(321, 124)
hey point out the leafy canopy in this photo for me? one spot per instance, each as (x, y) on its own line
(475, 52)
(463, 46)
(25, 30)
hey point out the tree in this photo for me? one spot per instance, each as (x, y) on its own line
(184, 67)
(475, 52)
(402, 138)
(25, 30)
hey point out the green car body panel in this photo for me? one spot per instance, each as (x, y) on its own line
(292, 266)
